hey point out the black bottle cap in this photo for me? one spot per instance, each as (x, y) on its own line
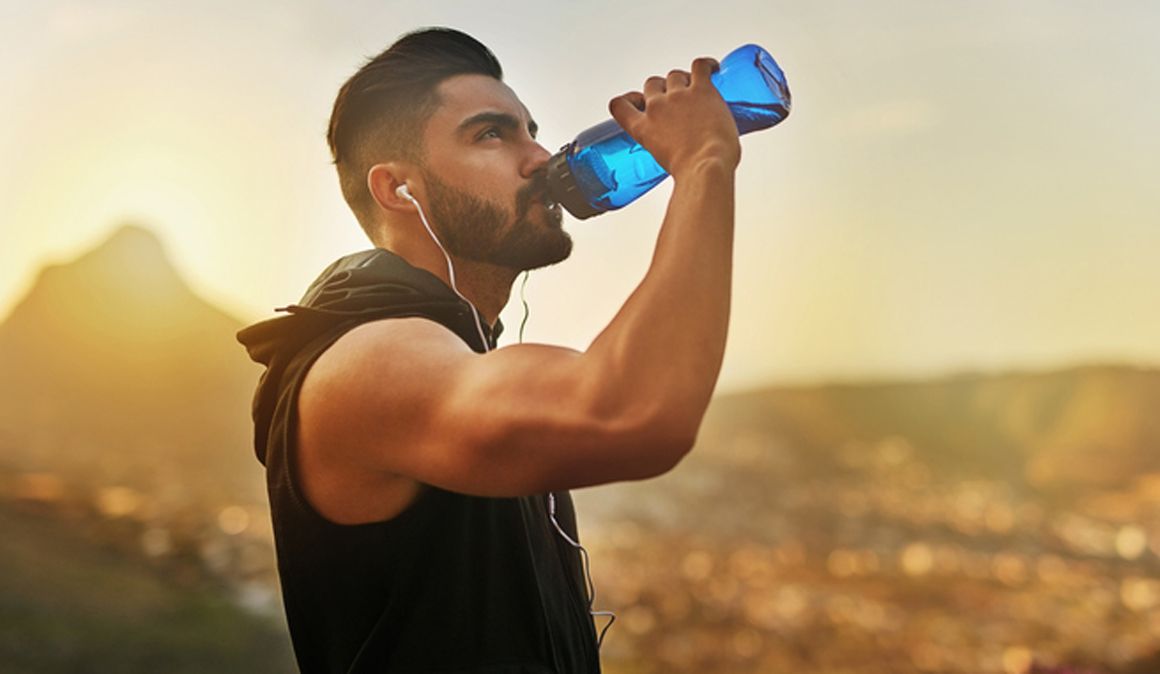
(562, 187)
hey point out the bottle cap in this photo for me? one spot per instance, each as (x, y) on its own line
(562, 186)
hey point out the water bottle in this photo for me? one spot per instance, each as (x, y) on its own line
(605, 169)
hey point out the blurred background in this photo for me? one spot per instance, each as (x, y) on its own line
(935, 445)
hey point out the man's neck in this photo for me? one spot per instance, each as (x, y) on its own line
(487, 286)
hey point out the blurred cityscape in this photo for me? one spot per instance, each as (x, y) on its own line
(882, 567)
(979, 523)
(878, 567)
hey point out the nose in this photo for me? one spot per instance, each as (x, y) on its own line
(537, 159)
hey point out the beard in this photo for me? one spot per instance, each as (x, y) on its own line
(476, 229)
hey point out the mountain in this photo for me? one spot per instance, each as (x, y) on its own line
(112, 371)
(1089, 425)
(1049, 438)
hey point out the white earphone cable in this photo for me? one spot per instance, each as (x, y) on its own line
(590, 587)
(405, 193)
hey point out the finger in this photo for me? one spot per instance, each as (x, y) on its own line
(677, 79)
(626, 108)
(653, 86)
(636, 98)
(702, 68)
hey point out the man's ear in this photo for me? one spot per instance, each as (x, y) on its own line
(384, 180)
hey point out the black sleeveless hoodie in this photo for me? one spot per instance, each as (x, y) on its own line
(455, 583)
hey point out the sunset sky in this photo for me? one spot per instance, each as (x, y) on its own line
(960, 185)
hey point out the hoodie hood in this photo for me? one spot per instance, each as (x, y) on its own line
(355, 289)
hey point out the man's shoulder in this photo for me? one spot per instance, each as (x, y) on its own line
(402, 334)
(384, 358)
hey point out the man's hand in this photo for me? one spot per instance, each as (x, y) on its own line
(681, 119)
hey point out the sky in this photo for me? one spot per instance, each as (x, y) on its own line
(959, 187)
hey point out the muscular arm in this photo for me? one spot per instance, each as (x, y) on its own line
(407, 397)
(663, 350)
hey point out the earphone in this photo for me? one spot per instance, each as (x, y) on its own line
(405, 192)
(590, 589)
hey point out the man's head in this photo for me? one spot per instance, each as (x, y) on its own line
(432, 112)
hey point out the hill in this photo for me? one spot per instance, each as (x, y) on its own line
(1087, 425)
(1048, 437)
(112, 371)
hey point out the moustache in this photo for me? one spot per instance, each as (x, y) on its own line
(536, 190)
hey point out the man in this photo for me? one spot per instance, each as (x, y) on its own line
(418, 476)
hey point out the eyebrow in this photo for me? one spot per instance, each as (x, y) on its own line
(500, 119)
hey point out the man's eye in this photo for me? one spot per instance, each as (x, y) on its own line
(489, 133)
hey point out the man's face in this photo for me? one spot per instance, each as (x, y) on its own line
(484, 175)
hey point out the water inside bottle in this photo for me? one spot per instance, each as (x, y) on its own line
(757, 116)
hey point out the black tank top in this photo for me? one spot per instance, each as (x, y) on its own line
(455, 583)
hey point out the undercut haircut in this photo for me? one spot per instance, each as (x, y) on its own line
(382, 110)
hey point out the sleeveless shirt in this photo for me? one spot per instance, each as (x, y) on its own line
(455, 583)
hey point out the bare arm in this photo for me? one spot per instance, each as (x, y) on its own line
(407, 397)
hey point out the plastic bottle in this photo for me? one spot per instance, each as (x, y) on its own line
(604, 168)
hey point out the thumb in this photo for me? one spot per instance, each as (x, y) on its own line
(626, 109)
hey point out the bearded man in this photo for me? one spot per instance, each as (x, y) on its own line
(418, 475)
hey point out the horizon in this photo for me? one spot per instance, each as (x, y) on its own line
(132, 228)
(958, 189)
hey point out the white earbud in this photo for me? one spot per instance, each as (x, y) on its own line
(403, 192)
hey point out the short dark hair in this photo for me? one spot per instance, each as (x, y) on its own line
(381, 111)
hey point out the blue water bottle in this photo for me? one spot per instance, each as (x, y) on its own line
(605, 169)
